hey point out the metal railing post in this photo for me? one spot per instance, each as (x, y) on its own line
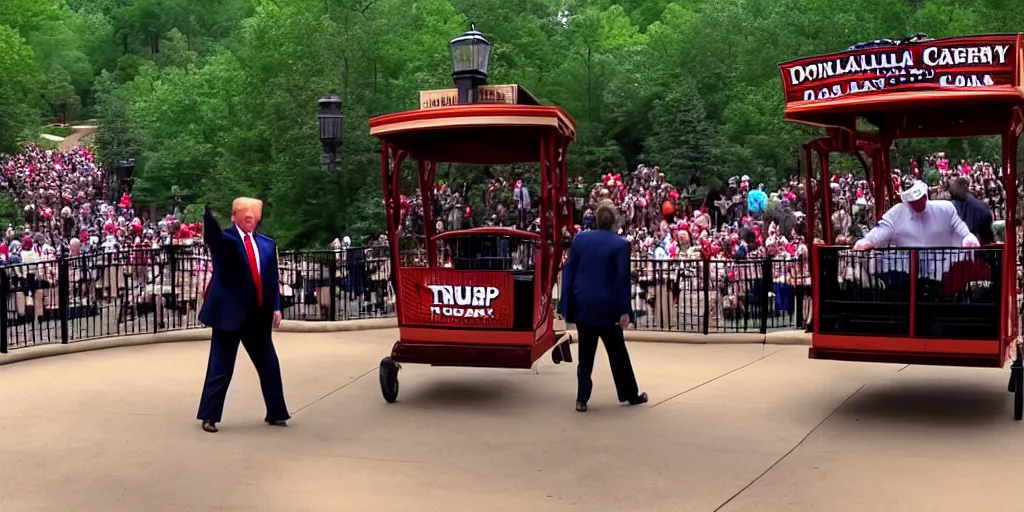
(798, 295)
(767, 282)
(63, 296)
(5, 292)
(333, 291)
(707, 294)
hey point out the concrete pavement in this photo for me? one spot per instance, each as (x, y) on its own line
(729, 427)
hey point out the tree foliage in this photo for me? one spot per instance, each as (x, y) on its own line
(218, 97)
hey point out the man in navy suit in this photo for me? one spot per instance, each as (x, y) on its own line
(595, 296)
(971, 210)
(242, 305)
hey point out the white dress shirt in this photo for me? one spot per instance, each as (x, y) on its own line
(938, 226)
(256, 248)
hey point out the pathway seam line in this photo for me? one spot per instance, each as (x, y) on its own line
(709, 381)
(339, 388)
(791, 450)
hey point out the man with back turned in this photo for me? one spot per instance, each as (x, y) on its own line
(971, 210)
(242, 305)
(596, 297)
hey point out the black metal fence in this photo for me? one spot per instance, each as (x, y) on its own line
(149, 291)
(716, 296)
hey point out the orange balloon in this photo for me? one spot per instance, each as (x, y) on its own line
(668, 209)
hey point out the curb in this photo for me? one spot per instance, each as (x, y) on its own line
(198, 334)
(297, 326)
(368, 324)
(57, 349)
(721, 338)
(793, 337)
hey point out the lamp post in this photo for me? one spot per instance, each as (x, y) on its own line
(470, 54)
(123, 178)
(330, 118)
(176, 200)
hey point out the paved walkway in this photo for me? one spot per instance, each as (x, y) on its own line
(729, 427)
(80, 132)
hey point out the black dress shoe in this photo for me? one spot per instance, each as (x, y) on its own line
(640, 399)
(209, 426)
(277, 423)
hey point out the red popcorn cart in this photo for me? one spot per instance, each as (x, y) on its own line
(475, 297)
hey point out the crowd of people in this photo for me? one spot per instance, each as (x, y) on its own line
(739, 221)
(64, 202)
(65, 209)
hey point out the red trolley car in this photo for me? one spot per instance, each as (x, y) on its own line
(481, 297)
(955, 306)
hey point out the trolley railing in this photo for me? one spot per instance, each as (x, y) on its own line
(923, 293)
(154, 290)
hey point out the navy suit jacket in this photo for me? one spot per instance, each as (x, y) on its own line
(978, 218)
(595, 279)
(231, 296)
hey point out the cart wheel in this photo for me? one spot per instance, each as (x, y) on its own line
(389, 379)
(556, 354)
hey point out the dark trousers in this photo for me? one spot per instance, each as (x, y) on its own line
(255, 337)
(618, 359)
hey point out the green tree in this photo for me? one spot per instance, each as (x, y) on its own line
(20, 79)
(682, 141)
(59, 93)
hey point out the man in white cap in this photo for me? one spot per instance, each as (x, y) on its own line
(918, 223)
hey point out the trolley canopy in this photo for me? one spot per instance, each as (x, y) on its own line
(474, 134)
(932, 88)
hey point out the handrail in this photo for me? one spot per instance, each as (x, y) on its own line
(492, 231)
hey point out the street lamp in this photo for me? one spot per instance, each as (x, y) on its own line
(470, 53)
(176, 198)
(122, 178)
(331, 118)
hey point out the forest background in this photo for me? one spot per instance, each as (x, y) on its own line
(218, 97)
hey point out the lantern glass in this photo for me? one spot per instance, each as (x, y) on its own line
(470, 52)
(330, 120)
(330, 129)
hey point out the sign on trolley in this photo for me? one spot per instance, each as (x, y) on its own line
(941, 64)
(457, 298)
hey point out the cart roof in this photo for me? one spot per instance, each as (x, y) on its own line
(940, 87)
(474, 134)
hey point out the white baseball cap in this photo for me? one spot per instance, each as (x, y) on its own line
(915, 192)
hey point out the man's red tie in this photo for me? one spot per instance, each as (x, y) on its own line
(254, 269)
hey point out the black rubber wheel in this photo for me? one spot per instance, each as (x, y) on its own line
(389, 380)
(1011, 387)
(1018, 392)
(556, 355)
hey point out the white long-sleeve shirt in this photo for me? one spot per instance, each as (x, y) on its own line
(938, 226)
